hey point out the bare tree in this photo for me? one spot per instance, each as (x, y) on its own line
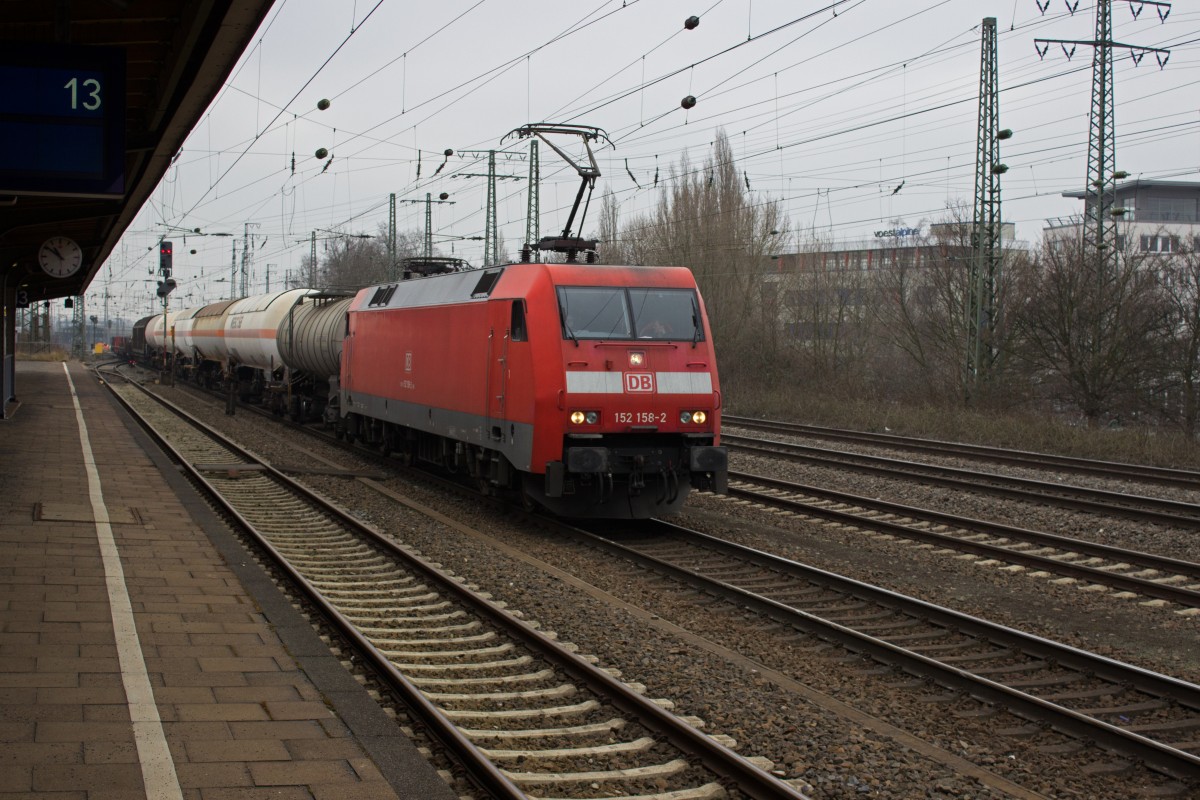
(502, 249)
(920, 293)
(921, 308)
(1179, 279)
(1091, 327)
(354, 261)
(613, 249)
(823, 302)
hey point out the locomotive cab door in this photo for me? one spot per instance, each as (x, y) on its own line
(500, 315)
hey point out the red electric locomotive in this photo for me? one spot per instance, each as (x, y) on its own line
(591, 389)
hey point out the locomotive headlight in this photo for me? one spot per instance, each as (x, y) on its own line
(692, 417)
(581, 417)
(592, 417)
(637, 359)
(699, 417)
(577, 417)
(685, 417)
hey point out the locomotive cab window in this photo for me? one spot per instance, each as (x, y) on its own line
(666, 314)
(597, 312)
(593, 312)
(516, 327)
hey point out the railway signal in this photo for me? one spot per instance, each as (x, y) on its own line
(165, 254)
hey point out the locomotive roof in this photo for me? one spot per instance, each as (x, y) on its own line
(618, 273)
(478, 285)
(452, 287)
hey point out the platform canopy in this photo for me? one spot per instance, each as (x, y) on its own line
(100, 95)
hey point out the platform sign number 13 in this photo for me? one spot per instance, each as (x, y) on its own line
(85, 94)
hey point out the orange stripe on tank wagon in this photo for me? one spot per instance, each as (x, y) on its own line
(251, 333)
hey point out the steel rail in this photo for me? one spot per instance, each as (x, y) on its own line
(1168, 476)
(1152, 509)
(1172, 761)
(748, 777)
(1181, 595)
(483, 771)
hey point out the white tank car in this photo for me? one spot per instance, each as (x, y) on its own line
(183, 323)
(252, 324)
(157, 333)
(207, 334)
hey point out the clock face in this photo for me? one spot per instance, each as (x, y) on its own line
(60, 257)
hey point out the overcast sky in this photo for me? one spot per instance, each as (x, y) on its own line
(828, 113)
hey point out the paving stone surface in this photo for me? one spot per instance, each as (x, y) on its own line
(241, 717)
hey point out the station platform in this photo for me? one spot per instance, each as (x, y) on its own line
(143, 654)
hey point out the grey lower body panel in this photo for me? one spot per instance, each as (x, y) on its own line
(513, 439)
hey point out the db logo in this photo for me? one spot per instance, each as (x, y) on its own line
(639, 382)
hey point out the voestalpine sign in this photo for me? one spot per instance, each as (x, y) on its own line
(897, 233)
(62, 120)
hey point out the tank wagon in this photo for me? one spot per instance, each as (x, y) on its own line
(236, 343)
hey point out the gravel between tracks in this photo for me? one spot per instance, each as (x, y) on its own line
(836, 758)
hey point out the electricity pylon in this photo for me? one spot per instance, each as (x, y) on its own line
(1100, 193)
(491, 232)
(391, 235)
(248, 249)
(533, 201)
(986, 251)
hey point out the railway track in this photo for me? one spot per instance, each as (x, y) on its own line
(891, 686)
(523, 714)
(1165, 476)
(1155, 510)
(1120, 569)
(1135, 713)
